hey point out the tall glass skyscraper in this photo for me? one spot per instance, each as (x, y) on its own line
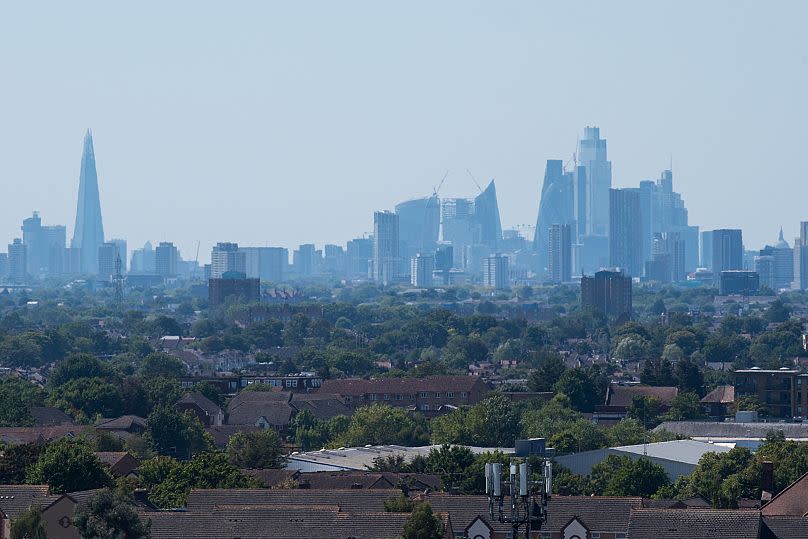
(418, 225)
(592, 156)
(88, 235)
(555, 208)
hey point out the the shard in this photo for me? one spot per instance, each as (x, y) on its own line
(88, 235)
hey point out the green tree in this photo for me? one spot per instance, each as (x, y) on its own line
(88, 397)
(162, 391)
(380, 424)
(777, 312)
(689, 378)
(106, 515)
(29, 525)
(629, 431)
(423, 524)
(548, 373)
(77, 366)
(16, 459)
(176, 434)
(580, 388)
(69, 466)
(580, 435)
(259, 449)
(163, 365)
(451, 464)
(647, 410)
(684, 407)
(550, 419)
(621, 476)
(17, 396)
(716, 478)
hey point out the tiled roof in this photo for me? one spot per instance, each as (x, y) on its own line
(321, 405)
(700, 524)
(49, 416)
(124, 422)
(248, 412)
(782, 527)
(28, 435)
(791, 501)
(623, 395)
(731, 430)
(262, 522)
(271, 477)
(601, 513)
(121, 463)
(203, 500)
(202, 402)
(720, 395)
(358, 386)
(366, 480)
(17, 499)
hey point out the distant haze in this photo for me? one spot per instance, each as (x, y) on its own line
(283, 123)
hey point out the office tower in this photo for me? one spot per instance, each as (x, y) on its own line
(486, 215)
(782, 265)
(457, 226)
(555, 207)
(385, 247)
(670, 248)
(54, 239)
(3, 267)
(88, 234)
(496, 272)
(727, 250)
(707, 250)
(45, 246)
(595, 197)
(32, 238)
(166, 258)
(18, 262)
(801, 258)
(122, 252)
(421, 268)
(625, 231)
(663, 211)
(334, 260)
(609, 292)
(143, 259)
(444, 257)
(418, 225)
(739, 283)
(764, 267)
(226, 258)
(107, 254)
(559, 253)
(359, 253)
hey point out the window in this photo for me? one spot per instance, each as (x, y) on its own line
(464, 394)
(348, 398)
(546, 535)
(424, 394)
(450, 394)
(371, 396)
(438, 394)
(424, 407)
(398, 396)
(387, 396)
(595, 535)
(620, 536)
(291, 383)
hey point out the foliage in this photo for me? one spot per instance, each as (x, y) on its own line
(76, 366)
(647, 410)
(548, 373)
(16, 459)
(17, 396)
(88, 397)
(399, 504)
(379, 424)
(29, 525)
(494, 422)
(69, 466)
(176, 434)
(554, 417)
(259, 449)
(423, 524)
(622, 476)
(162, 364)
(106, 515)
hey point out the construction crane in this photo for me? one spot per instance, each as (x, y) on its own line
(435, 190)
(196, 261)
(474, 180)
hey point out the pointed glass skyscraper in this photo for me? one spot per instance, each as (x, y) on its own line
(88, 235)
(486, 213)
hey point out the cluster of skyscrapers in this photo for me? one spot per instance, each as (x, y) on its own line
(584, 226)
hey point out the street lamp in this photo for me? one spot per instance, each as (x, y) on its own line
(527, 498)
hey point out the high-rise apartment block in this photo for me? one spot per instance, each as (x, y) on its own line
(727, 250)
(386, 259)
(608, 291)
(359, 254)
(266, 263)
(18, 262)
(496, 272)
(625, 231)
(421, 268)
(45, 246)
(107, 255)
(226, 258)
(166, 258)
(739, 283)
(559, 253)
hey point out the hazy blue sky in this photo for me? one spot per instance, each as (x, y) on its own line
(288, 122)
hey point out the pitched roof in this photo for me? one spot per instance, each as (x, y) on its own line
(49, 416)
(121, 463)
(784, 527)
(271, 477)
(248, 412)
(321, 405)
(359, 386)
(29, 435)
(17, 499)
(203, 500)
(623, 395)
(221, 433)
(703, 523)
(600, 513)
(125, 422)
(791, 501)
(200, 400)
(366, 480)
(732, 430)
(720, 395)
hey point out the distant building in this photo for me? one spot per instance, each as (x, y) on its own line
(727, 250)
(385, 247)
(45, 247)
(226, 258)
(559, 253)
(245, 290)
(593, 184)
(3, 266)
(305, 260)
(107, 254)
(496, 272)
(782, 391)
(18, 262)
(556, 207)
(88, 234)
(418, 226)
(143, 260)
(625, 231)
(608, 291)
(359, 253)
(739, 283)
(421, 268)
(165, 259)
(266, 263)
(801, 258)
(122, 252)
(764, 267)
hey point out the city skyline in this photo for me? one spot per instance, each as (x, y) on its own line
(281, 105)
